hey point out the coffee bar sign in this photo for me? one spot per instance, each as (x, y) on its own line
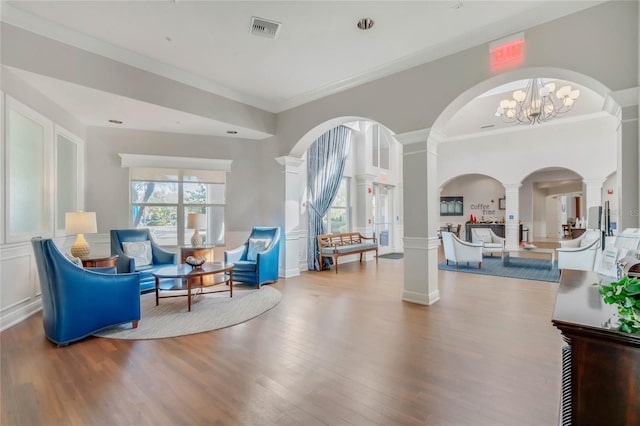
(482, 209)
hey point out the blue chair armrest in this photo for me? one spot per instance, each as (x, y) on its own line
(236, 254)
(161, 255)
(267, 261)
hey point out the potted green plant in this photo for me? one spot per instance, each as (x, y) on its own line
(625, 294)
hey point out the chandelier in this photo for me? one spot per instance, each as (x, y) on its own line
(537, 103)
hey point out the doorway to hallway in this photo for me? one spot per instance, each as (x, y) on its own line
(382, 216)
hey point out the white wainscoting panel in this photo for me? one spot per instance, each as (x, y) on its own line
(19, 287)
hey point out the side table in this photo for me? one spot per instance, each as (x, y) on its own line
(99, 261)
(206, 251)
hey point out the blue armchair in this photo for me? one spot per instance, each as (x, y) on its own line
(160, 257)
(78, 302)
(256, 261)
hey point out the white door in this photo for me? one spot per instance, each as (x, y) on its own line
(383, 216)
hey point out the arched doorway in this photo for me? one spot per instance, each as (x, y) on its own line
(370, 199)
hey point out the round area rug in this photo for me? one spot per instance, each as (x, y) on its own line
(208, 312)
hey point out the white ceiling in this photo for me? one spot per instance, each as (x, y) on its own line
(318, 50)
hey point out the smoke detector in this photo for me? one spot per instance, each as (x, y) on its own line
(264, 27)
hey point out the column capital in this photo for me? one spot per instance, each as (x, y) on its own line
(510, 187)
(364, 178)
(289, 162)
(412, 137)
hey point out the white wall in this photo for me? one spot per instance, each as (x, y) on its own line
(511, 156)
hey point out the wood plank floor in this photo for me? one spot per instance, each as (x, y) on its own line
(338, 350)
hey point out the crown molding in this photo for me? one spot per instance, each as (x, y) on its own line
(35, 24)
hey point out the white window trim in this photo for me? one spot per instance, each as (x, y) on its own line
(171, 162)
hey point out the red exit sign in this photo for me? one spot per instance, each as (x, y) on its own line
(506, 53)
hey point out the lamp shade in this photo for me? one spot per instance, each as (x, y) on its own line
(196, 221)
(80, 223)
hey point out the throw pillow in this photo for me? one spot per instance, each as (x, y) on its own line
(75, 260)
(257, 245)
(483, 234)
(140, 251)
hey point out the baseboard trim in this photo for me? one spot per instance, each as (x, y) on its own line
(421, 298)
(20, 314)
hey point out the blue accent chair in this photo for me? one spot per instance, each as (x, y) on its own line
(264, 269)
(78, 302)
(126, 264)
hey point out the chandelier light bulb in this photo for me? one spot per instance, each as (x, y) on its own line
(550, 87)
(519, 95)
(574, 94)
(504, 103)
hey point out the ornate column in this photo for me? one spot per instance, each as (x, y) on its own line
(293, 239)
(512, 214)
(421, 214)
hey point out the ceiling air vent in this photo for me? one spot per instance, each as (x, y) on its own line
(264, 28)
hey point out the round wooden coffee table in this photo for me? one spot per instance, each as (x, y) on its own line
(189, 278)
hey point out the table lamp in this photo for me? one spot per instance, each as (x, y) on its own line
(80, 223)
(197, 221)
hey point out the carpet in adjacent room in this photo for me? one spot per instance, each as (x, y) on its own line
(519, 267)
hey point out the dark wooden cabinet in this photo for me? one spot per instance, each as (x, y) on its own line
(601, 365)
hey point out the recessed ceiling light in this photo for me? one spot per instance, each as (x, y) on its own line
(365, 23)
(232, 132)
(115, 121)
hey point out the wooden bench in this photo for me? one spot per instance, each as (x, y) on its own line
(336, 245)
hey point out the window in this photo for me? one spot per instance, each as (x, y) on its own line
(339, 211)
(380, 148)
(162, 198)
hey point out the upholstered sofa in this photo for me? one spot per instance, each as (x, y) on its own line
(158, 258)
(456, 250)
(78, 302)
(256, 261)
(491, 243)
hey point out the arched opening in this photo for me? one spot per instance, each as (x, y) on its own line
(471, 195)
(552, 203)
(529, 160)
(369, 200)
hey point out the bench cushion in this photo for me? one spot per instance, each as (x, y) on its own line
(349, 248)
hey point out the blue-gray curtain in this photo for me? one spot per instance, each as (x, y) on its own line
(326, 159)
